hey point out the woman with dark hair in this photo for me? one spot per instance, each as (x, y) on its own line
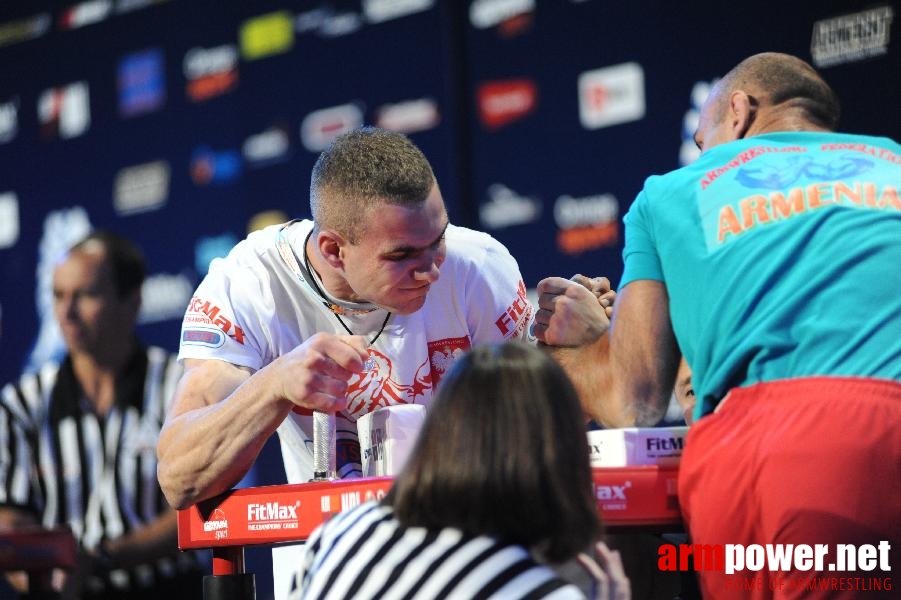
(498, 483)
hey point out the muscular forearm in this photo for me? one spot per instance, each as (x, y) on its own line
(644, 354)
(223, 414)
(589, 370)
(206, 451)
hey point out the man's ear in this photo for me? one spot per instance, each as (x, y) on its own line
(331, 244)
(742, 112)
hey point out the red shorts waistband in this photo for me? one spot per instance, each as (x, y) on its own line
(813, 389)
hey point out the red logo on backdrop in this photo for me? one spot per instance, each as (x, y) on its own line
(502, 102)
(443, 353)
(576, 240)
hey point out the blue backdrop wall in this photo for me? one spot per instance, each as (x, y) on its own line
(185, 124)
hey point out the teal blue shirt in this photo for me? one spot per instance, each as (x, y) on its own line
(781, 255)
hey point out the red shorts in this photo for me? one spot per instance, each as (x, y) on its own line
(800, 461)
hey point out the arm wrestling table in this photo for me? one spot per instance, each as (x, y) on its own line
(629, 499)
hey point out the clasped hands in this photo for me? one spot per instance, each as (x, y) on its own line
(573, 312)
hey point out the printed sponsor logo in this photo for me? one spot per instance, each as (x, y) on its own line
(350, 500)
(202, 311)
(376, 451)
(327, 23)
(664, 445)
(272, 516)
(334, 503)
(267, 35)
(570, 212)
(329, 504)
(321, 127)
(484, 14)
(773, 558)
(21, 30)
(268, 147)
(503, 102)
(750, 154)
(613, 497)
(409, 116)
(202, 336)
(611, 95)
(443, 353)
(310, 21)
(852, 37)
(64, 111)
(586, 223)
(164, 296)
(505, 208)
(142, 83)
(517, 316)
(124, 6)
(217, 523)
(84, 13)
(141, 188)
(9, 219)
(210, 72)
(335, 24)
(377, 11)
(209, 166)
(9, 120)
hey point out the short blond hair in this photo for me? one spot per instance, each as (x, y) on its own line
(362, 169)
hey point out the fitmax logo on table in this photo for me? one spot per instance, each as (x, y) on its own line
(732, 558)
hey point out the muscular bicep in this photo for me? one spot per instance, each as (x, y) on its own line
(643, 350)
(206, 382)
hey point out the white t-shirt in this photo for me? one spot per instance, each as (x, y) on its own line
(252, 308)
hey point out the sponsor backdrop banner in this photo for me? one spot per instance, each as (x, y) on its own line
(185, 124)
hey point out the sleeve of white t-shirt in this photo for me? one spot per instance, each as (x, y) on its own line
(496, 302)
(224, 319)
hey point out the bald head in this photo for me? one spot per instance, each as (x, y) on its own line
(766, 93)
(784, 83)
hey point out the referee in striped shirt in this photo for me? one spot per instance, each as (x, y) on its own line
(78, 439)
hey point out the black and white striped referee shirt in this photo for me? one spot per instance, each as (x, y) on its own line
(366, 553)
(66, 465)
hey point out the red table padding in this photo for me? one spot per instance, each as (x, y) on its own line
(629, 498)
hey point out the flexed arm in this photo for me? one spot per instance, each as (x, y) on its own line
(625, 375)
(223, 414)
(644, 354)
